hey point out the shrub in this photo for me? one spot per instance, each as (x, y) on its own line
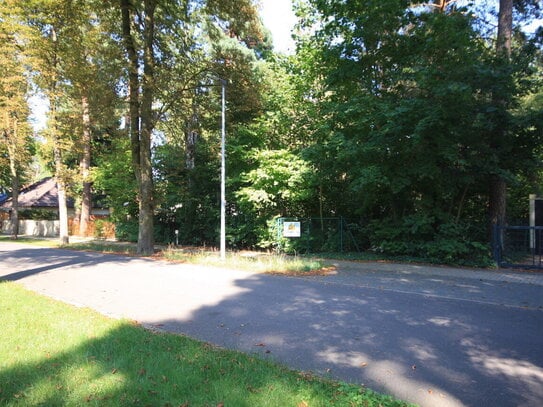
(427, 239)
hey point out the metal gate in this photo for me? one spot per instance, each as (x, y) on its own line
(518, 246)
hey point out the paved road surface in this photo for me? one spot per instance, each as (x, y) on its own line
(433, 336)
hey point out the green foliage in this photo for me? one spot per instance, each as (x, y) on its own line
(126, 230)
(406, 111)
(187, 198)
(113, 177)
(38, 214)
(395, 116)
(100, 226)
(423, 237)
(16, 142)
(278, 184)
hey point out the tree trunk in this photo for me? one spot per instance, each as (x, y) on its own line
(505, 28)
(14, 199)
(62, 212)
(57, 152)
(498, 186)
(190, 139)
(498, 201)
(61, 191)
(86, 197)
(133, 87)
(141, 118)
(145, 234)
(14, 172)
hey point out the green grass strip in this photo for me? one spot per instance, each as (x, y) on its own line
(53, 354)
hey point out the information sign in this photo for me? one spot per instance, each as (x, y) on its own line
(292, 229)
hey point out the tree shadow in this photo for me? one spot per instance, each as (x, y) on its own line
(130, 366)
(427, 350)
(25, 262)
(486, 287)
(415, 344)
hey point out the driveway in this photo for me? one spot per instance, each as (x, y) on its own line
(432, 336)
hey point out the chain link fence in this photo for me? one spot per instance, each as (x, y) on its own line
(318, 235)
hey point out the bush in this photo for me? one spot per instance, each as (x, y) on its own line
(38, 214)
(424, 238)
(103, 228)
(127, 231)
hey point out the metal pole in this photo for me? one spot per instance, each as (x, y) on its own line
(532, 199)
(223, 172)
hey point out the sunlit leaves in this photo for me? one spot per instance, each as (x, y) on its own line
(279, 182)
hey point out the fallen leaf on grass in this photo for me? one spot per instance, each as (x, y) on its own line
(251, 389)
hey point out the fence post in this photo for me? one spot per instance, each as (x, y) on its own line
(308, 234)
(341, 233)
(497, 244)
(278, 235)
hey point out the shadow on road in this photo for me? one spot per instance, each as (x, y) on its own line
(25, 262)
(435, 352)
(418, 344)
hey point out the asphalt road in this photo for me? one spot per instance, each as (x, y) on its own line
(432, 336)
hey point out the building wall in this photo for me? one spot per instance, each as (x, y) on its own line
(99, 228)
(43, 228)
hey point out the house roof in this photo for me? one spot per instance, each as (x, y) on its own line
(42, 194)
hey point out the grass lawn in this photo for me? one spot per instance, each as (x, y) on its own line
(31, 240)
(53, 354)
(253, 261)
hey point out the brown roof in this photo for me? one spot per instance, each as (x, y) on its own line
(42, 194)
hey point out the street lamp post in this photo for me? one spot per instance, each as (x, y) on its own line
(223, 171)
(223, 167)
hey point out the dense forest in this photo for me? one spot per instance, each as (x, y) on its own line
(419, 125)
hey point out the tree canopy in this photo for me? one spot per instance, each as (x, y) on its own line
(419, 122)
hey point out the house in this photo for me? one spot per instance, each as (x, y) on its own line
(40, 195)
(40, 200)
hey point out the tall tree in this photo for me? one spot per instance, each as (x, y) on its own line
(151, 60)
(54, 132)
(15, 133)
(141, 97)
(91, 67)
(498, 185)
(409, 105)
(45, 42)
